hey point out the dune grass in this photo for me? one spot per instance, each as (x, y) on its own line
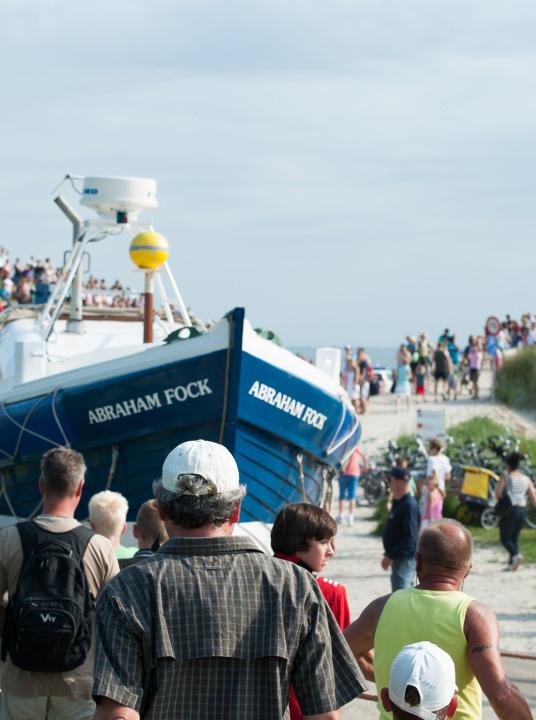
(516, 382)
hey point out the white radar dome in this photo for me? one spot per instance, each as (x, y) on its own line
(119, 198)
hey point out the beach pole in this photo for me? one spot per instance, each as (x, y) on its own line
(148, 307)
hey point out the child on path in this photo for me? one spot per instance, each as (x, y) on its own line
(420, 382)
(431, 501)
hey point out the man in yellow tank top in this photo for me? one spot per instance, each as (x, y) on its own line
(438, 611)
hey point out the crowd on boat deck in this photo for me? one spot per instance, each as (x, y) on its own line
(31, 282)
(197, 622)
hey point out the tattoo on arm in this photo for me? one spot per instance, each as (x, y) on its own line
(481, 648)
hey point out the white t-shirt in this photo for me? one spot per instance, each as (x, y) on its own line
(441, 464)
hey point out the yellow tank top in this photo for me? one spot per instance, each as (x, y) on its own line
(413, 615)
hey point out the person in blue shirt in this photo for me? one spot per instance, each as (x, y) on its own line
(401, 532)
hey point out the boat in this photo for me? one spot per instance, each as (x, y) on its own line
(83, 378)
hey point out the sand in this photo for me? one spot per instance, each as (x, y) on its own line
(511, 595)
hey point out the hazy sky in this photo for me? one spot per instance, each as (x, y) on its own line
(347, 171)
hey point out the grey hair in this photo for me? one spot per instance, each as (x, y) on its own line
(199, 505)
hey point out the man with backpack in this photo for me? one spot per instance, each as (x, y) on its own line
(52, 568)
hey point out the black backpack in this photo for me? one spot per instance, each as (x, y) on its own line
(49, 622)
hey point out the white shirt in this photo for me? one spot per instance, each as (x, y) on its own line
(441, 464)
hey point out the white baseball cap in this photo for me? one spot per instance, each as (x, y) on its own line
(431, 671)
(201, 457)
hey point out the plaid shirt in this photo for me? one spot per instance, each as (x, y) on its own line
(230, 629)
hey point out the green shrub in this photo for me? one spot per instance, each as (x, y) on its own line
(516, 382)
(478, 430)
(450, 506)
(380, 516)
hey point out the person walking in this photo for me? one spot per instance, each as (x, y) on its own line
(350, 379)
(356, 464)
(441, 372)
(364, 367)
(422, 684)
(439, 611)
(516, 487)
(401, 531)
(220, 628)
(476, 357)
(32, 687)
(403, 384)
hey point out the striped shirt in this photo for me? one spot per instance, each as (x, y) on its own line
(230, 629)
(517, 486)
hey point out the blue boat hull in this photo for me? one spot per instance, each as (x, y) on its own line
(287, 435)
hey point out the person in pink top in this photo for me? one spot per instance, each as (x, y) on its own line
(431, 501)
(349, 482)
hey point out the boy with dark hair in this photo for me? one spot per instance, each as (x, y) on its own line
(305, 534)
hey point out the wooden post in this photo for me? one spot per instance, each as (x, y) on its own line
(148, 307)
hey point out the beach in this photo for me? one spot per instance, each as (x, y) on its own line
(511, 596)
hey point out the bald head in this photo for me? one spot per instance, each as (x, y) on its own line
(446, 543)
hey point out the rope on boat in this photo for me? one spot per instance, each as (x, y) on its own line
(226, 383)
(4, 493)
(113, 465)
(56, 418)
(23, 429)
(299, 460)
(328, 475)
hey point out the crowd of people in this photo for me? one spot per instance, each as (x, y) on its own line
(444, 369)
(200, 623)
(32, 282)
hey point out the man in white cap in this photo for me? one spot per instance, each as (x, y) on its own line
(422, 684)
(209, 626)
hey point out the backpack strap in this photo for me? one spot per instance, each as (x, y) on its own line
(79, 538)
(32, 534)
(29, 537)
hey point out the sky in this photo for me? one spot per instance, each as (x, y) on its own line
(349, 171)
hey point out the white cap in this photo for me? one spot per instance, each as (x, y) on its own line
(431, 671)
(201, 457)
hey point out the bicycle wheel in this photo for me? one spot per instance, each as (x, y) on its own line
(530, 520)
(489, 519)
(374, 489)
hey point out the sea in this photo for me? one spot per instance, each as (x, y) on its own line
(383, 356)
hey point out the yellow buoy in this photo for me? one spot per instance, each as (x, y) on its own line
(149, 250)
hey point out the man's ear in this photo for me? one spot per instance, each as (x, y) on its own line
(125, 528)
(453, 706)
(161, 514)
(78, 493)
(386, 700)
(41, 486)
(135, 531)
